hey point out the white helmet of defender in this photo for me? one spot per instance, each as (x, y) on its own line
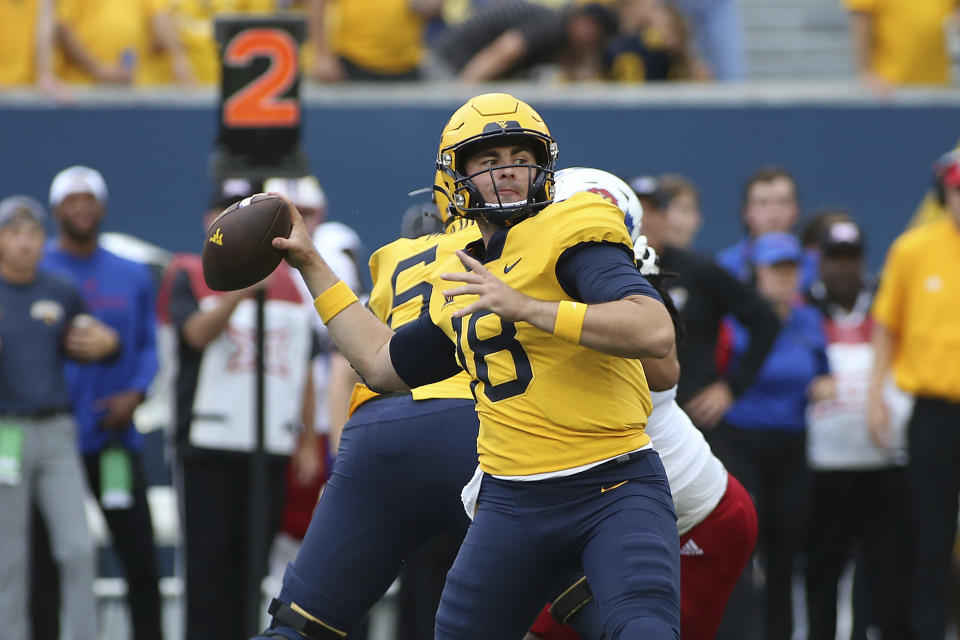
(606, 185)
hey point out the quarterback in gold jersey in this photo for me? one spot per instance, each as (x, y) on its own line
(547, 313)
(536, 395)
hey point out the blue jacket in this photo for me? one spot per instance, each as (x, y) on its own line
(778, 398)
(120, 293)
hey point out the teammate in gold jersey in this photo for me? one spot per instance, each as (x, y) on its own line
(548, 320)
(402, 461)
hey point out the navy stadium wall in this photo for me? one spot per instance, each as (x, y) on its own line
(871, 157)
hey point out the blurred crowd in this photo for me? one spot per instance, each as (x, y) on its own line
(53, 44)
(162, 43)
(834, 399)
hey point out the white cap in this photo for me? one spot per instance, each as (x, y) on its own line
(77, 179)
(304, 192)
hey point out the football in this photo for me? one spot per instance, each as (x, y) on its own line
(238, 250)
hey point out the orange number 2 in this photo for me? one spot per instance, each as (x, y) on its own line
(258, 104)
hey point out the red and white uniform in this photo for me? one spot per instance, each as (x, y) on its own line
(220, 419)
(223, 421)
(837, 435)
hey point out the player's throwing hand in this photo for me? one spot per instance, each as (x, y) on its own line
(298, 246)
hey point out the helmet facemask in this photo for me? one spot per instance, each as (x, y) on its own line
(537, 177)
(494, 120)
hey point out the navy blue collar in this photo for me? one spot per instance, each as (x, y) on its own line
(490, 252)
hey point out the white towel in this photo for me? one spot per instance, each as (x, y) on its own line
(470, 493)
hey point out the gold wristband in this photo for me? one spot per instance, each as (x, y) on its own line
(334, 300)
(569, 323)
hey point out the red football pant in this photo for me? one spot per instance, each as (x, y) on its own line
(712, 556)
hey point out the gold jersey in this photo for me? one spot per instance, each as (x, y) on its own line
(18, 26)
(545, 404)
(402, 273)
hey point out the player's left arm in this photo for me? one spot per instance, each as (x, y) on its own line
(637, 326)
(632, 326)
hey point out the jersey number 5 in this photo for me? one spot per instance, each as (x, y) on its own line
(422, 288)
(483, 348)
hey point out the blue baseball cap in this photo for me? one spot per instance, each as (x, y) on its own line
(774, 247)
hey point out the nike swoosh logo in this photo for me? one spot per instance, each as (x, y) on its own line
(605, 489)
(508, 268)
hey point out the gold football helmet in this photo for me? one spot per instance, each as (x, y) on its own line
(442, 200)
(486, 118)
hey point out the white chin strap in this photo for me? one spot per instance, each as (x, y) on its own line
(512, 205)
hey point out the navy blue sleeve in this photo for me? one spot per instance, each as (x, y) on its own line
(596, 272)
(422, 353)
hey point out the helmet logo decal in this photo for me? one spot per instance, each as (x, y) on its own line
(502, 126)
(606, 195)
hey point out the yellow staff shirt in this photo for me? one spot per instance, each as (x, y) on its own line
(929, 209)
(919, 301)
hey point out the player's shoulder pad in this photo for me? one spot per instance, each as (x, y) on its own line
(585, 217)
